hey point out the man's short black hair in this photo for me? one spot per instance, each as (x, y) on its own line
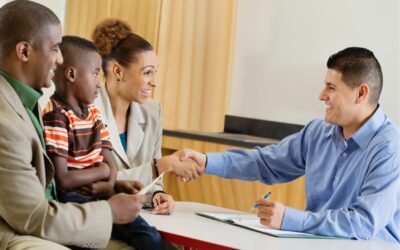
(359, 65)
(23, 20)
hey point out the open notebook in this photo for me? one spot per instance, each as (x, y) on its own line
(252, 222)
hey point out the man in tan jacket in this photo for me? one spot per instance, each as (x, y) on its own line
(30, 216)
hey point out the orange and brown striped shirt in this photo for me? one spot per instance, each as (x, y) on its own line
(79, 138)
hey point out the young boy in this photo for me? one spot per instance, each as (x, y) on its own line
(78, 142)
(76, 139)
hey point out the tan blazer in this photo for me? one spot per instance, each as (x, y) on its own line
(144, 136)
(25, 171)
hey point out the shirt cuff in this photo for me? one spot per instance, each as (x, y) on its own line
(215, 164)
(293, 220)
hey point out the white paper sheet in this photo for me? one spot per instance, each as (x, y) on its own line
(147, 188)
(252, 222)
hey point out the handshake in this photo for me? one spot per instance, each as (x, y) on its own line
(186, 164)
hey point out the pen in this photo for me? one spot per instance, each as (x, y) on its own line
(264, 197)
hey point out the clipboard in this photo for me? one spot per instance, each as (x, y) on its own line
(252, 222)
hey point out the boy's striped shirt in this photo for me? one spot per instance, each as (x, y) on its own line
(78, 138)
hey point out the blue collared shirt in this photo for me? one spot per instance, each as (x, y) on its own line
(352, 186)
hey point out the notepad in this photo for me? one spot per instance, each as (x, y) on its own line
(252, 222)
(147, 188)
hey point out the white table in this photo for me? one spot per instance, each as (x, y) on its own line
(186, 228)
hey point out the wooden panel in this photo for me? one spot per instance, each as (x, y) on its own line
(82, 16)
(194, 41)
(195, 50)
(143, 16)
(217, 191)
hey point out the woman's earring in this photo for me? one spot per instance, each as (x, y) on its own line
(118, 79)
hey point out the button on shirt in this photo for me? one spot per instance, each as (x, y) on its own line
(352, 186)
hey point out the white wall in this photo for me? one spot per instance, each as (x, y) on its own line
(58, 7)
(282, 46)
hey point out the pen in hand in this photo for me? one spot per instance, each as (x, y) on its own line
(264, 197)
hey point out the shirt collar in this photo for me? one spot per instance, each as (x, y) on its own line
(28, 95)
(364, 134)
(65, 105)
(335, 133)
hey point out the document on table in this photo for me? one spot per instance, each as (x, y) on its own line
(148, 187)
(252, 222)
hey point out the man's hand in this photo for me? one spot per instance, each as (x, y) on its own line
(163, 204)
(128, 187)
(270, 213)
(199, 158)
(125, 207)
(186, 170)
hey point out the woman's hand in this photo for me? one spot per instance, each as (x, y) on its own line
(186, 170)
(163, 203)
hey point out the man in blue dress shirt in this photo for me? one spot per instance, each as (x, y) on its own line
(350, 160)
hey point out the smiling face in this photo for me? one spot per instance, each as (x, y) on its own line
(139, 78)
(340, 100)
(45, 57)
(87, 83)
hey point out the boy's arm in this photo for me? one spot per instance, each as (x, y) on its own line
(56, 128)
(70, 179)
(104, 188)
(107, 158)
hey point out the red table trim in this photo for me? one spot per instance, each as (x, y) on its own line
(190, 242)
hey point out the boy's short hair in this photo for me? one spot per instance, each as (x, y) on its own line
(71, 48)
(23, 20)
(359, 65)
